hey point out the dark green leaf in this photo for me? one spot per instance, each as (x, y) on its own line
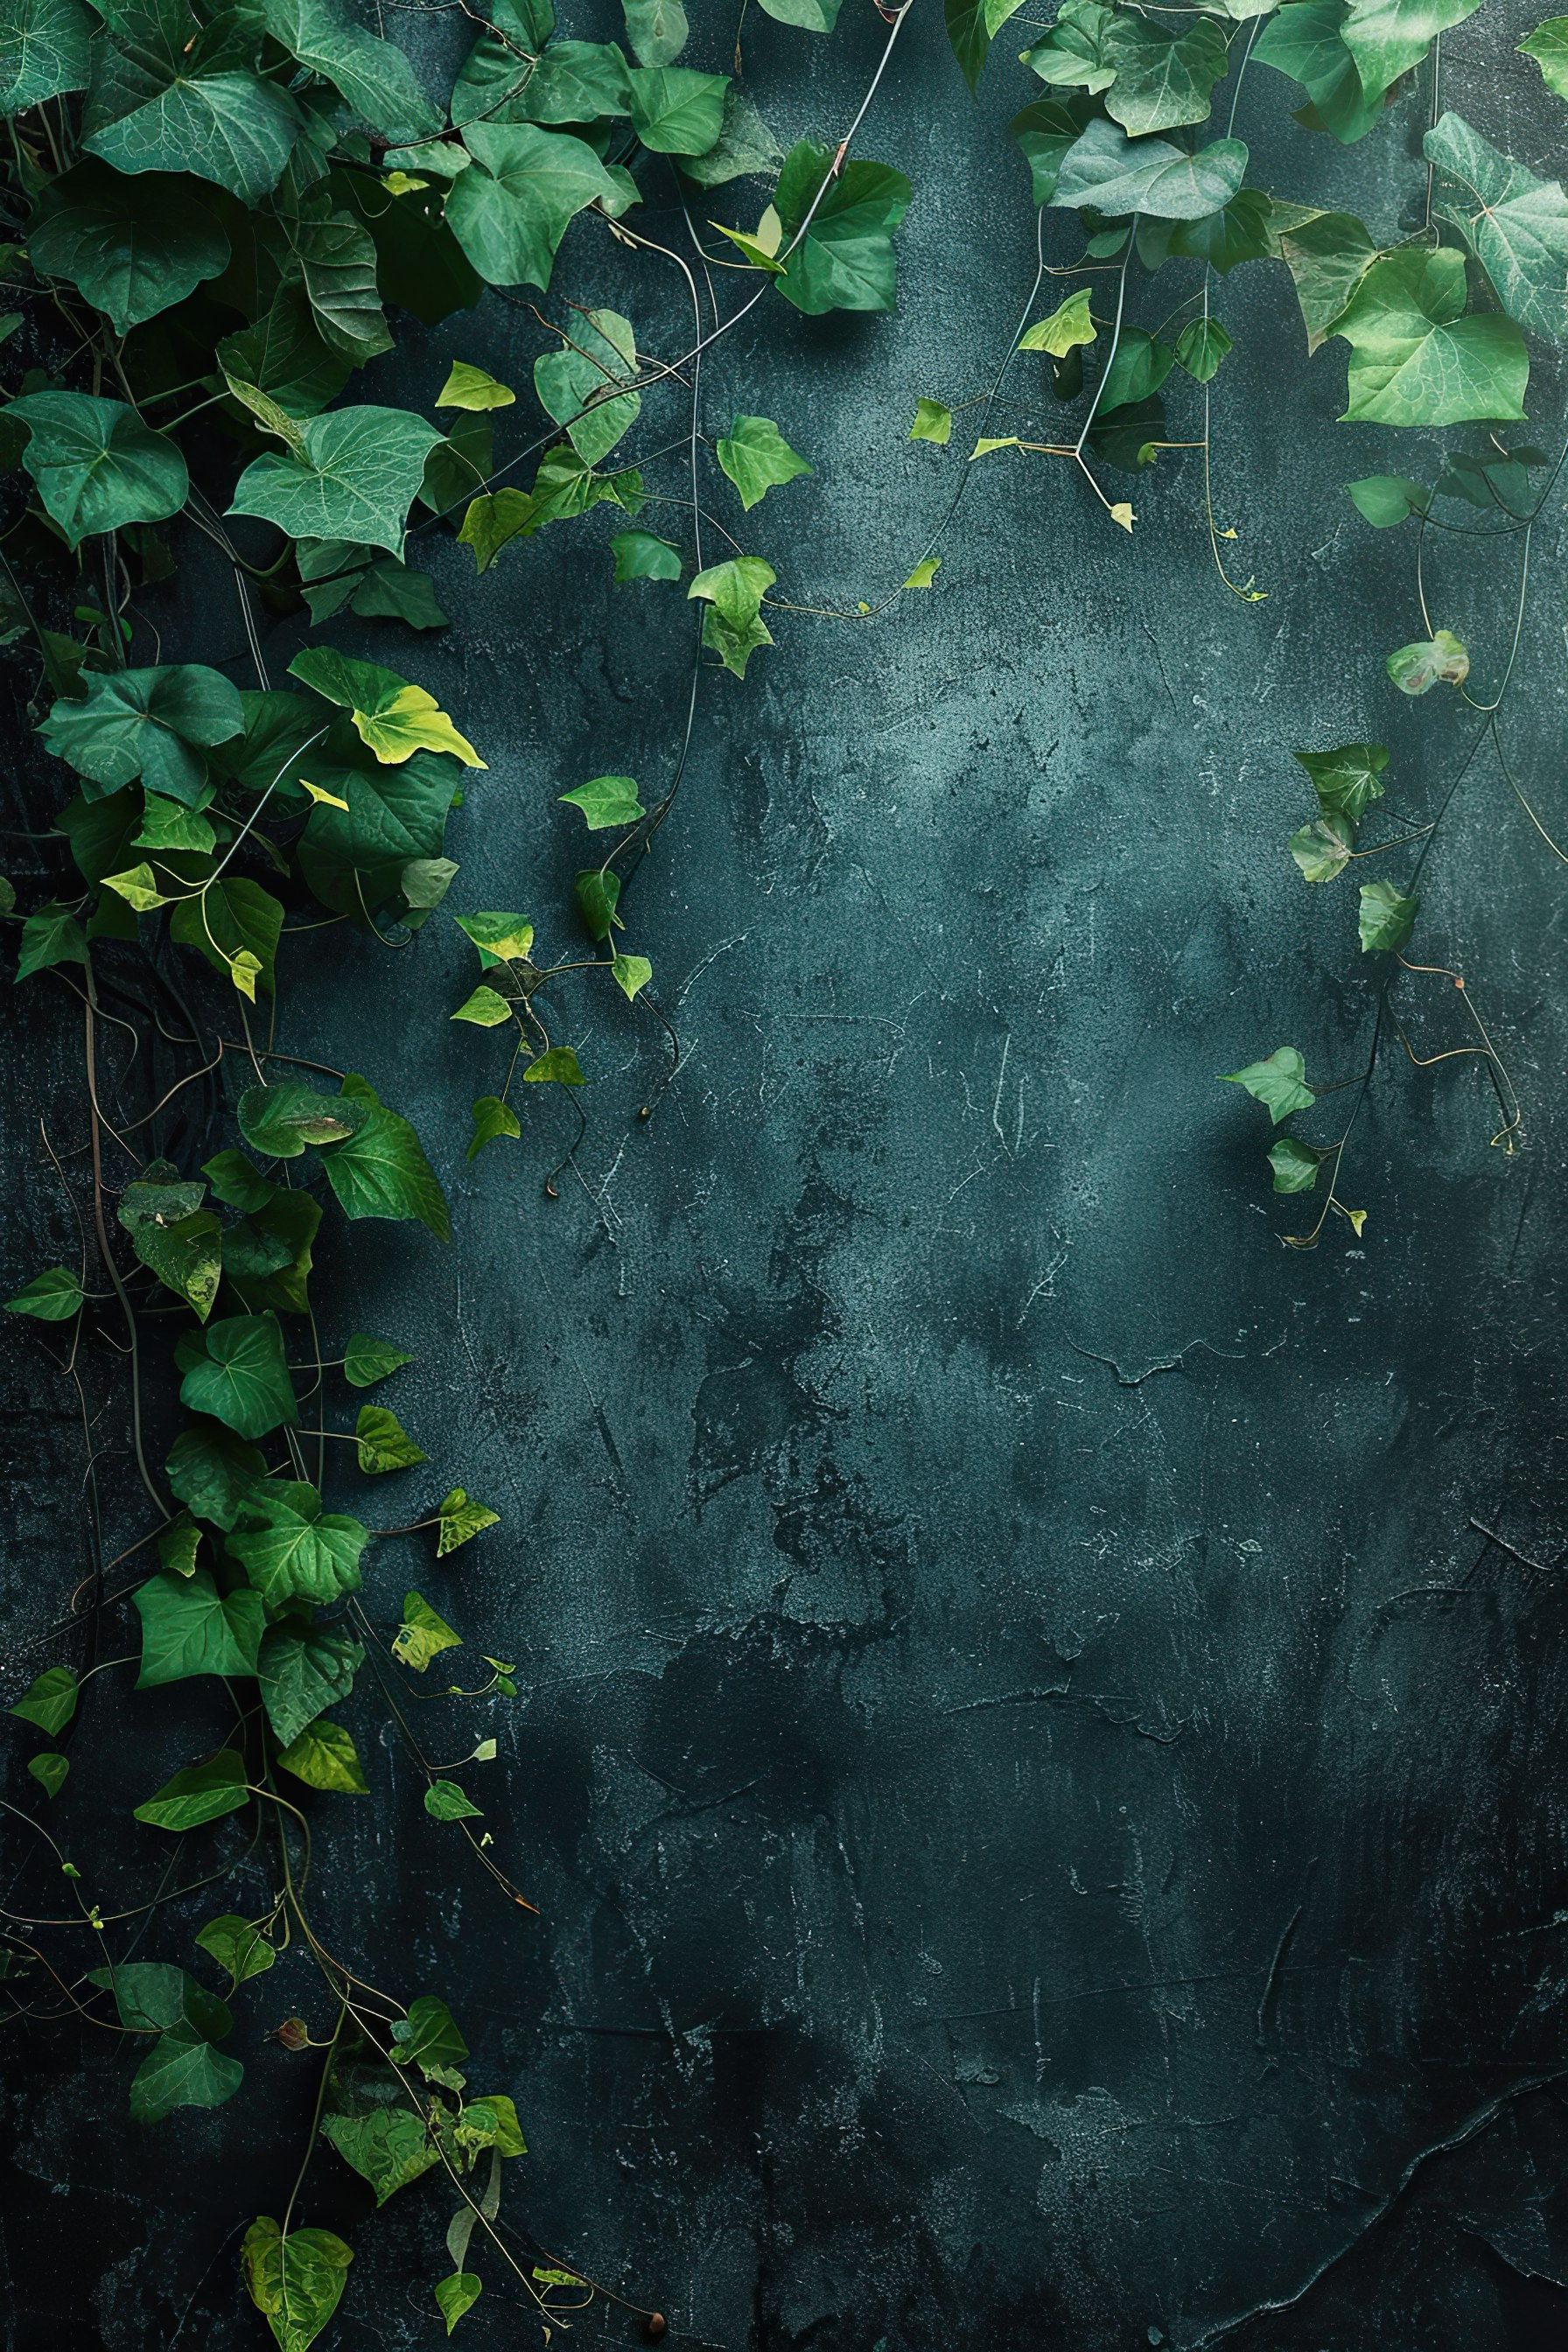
(1345, 780)
(388, 2144)
(1516, 224)
(1280, 1083)
(49, 1701)
(1387, 916)
(324, 1757)
(188, 1628)
(44, 51)
(1306, 42)
(50, 1771)
(381, 1171)
(97, 466)
(168, 99)
(844, 260)
(1117, 175)
(213, 1471)
(292, 1550)
(428, 2037)
(280, 1120)
(152, 723)
(640, 556)
(493, 1119)
(1045, 132)
(509, 211)
(445, 1802)
(52, 1296)
(132, 247)
(1416, 358)
(675, 111)
(304, 1669)
(232, 920)
(558, 1064)
(357, 473)
(598, 892)
(373, 75)
(202, 1792)
(1295, 1165)
(572, 384)
(240, 1376)
(367, 1361)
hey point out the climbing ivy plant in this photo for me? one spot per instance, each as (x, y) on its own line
(216, 215)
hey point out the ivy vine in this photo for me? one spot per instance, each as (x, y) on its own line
(214, 209)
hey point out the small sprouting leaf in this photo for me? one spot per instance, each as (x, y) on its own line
(471, 387)
(189, 1627)
(1387, 916)
(606, 801)
(640, 555)
(202, 1792)
(1387, 498)
(138, 886)
(237, 1945)
(558, 1064)
(457, 2294)
(1441, 659)
(367, 1361)
(1322, 849)
(924, 573)
(932, 423)
(49, 1770)
(324, 1757)
(757, 459)
(280, 1120)
(1067, 328)
(486, 1008)
(500, 938)
(320, 795)
(1345, 780)
(493, 1121)
(422, 1635)
(382, 1444)
(445, 1802)
(598, 892)
(461, 1519)
(296, 2283)
(631, 972)
(50, 1701)
(241, 1375)
(393, 719)
(52, 1296)
(1280, 1083)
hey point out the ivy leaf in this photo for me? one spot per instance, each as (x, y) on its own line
(744, 146)
(1045, 132)
(1327, 255)
(735, 589)
(49, 1770)
(509, 211)
(335, 259)
(292, 1550)
(280, 1120)
(598, 892)
(183, 2070)
(383, 1443)
(558, 1064)
(971, 26)
(188, 1628)
(639, 555)
(457, 2294)
(382, 1172)
(367, 1361)
(1387, 916)
(52, 1296)
(237, 1945)
(1386, 38)
(212, 1472)
(1415, 359)
(423, 1635)
(202, 1792)
(657, 29)
(631, 972)
(356, 475)
(445, 1802)
(283, 356)
(240, 1376)
(1516, 223)
(734, 647)
(1387, 498)
(132, 247)
(1138, 368)
(1163, 79)
(1305, 41)
(97, 466)
(44, 50)
(844, 260)
(428, 2037)
(377, 2130)
(925, 571)
(756, 457)
(1345, 780)
(148, 723)
(49, 1701)
(932, 423)
(1072, 54)
(1201, 346)
(302, 1670)
(185, 1253)
(568, 381)
(370, 73)
(493, 1119)
(393, 719)
(1280, 1083)
(485, 1008)
(296, 2283)
(179, 1544)
(1295, 1164)
(1440, 659)
(1117, 175)
(235, 925)
(1068, 327)
(165, 97)
(471, 387)
(1322, 849)
(1548, 45)
(460, 1520)
(676, 111)
(356, 861)
(51, 936)
(324, 1757)
(606, 802)
(500, 938)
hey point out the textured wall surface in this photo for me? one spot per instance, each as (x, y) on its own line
(1046, 1814)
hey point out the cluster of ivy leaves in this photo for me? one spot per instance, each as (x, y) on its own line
(215, 216)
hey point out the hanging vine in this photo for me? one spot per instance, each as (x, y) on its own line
(214, 209)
